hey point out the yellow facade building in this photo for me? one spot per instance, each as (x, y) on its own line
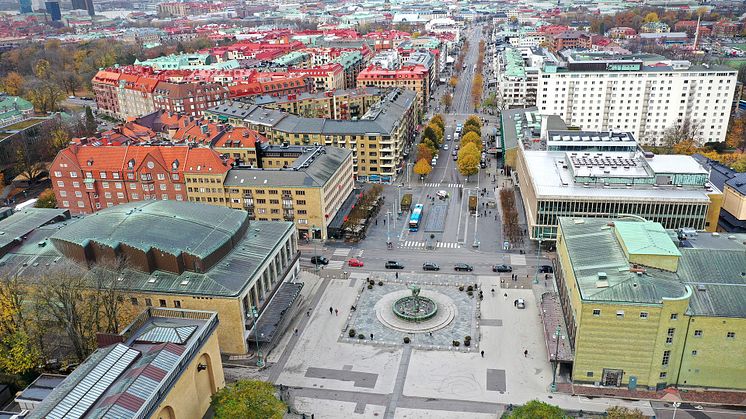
(164, 365)
(647, 307)
(304, 185)
(178, 255)
(378, 140)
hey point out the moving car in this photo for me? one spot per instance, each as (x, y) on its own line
(546, 269)
(520, 303)
(463, 267)
(354, 262)
(392, 264)
(319, 260)
(430, 266)
(502, 268)
(445, 146)
(441, 194)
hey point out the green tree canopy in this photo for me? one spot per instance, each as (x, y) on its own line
(473, 120)
(249, 399)
(537, 410)
(619, 412)
(430, 134)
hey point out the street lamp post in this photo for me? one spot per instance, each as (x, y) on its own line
(313, 233)
(409, 171)
(398, 194)
(388, 229)
(538, 256)
(255, 315)
(553, 388)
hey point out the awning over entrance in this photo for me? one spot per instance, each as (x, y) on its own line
(273, 313)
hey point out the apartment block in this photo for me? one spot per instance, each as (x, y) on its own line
(378, 139)
(347, 104)
(88, 179)
(642, 94)
(414, 78)
(299, 184)
(652, 308)
(188, 98)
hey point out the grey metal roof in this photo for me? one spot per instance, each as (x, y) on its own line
(317, 174)
(593, 248)
(382, 118)
(162, 333)
(169, 226)
(20, 224)
(712, 269)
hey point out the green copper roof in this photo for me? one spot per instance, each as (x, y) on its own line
(645, 238)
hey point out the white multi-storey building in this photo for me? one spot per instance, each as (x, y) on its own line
(642, 94)
(517, 76)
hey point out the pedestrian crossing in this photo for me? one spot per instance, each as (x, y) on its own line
(335, 264)
(409, 244)
(342, 252)
(443, 185)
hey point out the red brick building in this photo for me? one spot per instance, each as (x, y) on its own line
(188, 98)
(105, 84)
(571, 39)
(87, 179)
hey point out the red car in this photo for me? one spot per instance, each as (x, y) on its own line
(355, 262)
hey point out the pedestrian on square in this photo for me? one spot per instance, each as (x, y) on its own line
(482, 354)
(525, 353)
(371, 336)
(376, 221)
(296, 331)
(506, 295)
(336, 312)
(397, 275)
(331, 310)
(308, 313)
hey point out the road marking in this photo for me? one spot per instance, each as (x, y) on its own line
(342, 252)
(444, 185)
(517, 259)
(335, 264)
(448, 245)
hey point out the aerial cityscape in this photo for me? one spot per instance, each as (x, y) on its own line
(373, 209)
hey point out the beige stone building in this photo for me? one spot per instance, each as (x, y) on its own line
(304, 185)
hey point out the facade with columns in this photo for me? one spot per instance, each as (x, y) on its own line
(173, 254)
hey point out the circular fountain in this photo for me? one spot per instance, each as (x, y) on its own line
(406, 310)
(415, 308)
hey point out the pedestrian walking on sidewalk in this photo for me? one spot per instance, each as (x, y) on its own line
(296, 331)
(331, 310)
(336, 312)
(525, 353)
(482, 354)
(308, 313)
(371, 336)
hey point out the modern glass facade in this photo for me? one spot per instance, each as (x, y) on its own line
(672, 215)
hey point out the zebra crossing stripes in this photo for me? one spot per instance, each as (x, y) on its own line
(341, 252)
(443, 185)
(335, 264)
(417, 245)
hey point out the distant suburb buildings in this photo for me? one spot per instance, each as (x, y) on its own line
(378, 139)
(178, 255)
(643, 94)
(647, 307)
(571, 173)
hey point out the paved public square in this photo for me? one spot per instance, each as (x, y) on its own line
(338, 378)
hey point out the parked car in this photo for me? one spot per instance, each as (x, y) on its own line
(392, 264)
(546, 269)
(354, 262)
(463, 267)
(502, 268)
(430, 266)
(319, 260)
(520, 303)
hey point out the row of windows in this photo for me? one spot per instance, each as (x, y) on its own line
(149, 302)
